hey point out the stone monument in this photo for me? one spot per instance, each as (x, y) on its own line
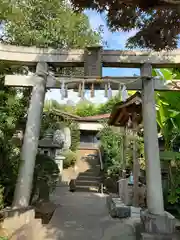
(67, 138)
(62, 135)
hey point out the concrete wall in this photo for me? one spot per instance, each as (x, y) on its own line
(22, 224)
(93, 126)
(85, 152)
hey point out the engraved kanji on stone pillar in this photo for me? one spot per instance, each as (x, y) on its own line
(92, 62)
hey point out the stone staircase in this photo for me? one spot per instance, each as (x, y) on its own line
(90, 179)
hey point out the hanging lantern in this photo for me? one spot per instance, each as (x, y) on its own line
(106, 91)
(109, 91)
(92, 90)
(79, 91)
(66, 91)
(62, 90)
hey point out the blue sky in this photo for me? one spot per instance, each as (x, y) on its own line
(116, 40)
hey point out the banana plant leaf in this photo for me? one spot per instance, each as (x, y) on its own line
(169, 155)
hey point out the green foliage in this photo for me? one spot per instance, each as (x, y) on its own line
(75, 136)
(142, 17)
(52, 104)
(70, 158)
(170, 155)
(46, 173)
(108, 106)
(3, 238)
(14, 103)
(168, 111)
(168, 119)
(173, 192)
(8, 172)
(86, 109)
(49, 23)
(8, 11)
(111, 143)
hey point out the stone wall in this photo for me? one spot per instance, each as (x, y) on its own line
(21, 224)
(126, 193)
(12, 219)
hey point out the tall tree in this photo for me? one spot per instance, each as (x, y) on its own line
(157, 21)
(49, 23)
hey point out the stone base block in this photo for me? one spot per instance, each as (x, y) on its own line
(160, 224)
(117, 209)
(15, 218)
(148, 236)
(72, 185)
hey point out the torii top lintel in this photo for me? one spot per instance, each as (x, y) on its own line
(77, 57)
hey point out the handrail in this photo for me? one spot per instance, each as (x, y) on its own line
(100, 158)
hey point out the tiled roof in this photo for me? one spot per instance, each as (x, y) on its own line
(77, 118)
(95, 118)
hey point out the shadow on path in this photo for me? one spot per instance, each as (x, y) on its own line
(84, 216)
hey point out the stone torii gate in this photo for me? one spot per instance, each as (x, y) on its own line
(92, 59)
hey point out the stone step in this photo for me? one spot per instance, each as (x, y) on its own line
(90, 173)
(87, 189)
(88, 177)
(89, 183)
(93, 169)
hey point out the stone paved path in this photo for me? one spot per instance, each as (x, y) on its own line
(84, 216)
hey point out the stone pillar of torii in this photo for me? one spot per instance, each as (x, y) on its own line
(31, 138)
(93, 59)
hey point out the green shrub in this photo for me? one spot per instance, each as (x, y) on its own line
(111, 143)
(75, 136)
(46, 176)
(70, 158)
(9, 162)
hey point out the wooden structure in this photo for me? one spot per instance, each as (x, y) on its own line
(128, 114)
(124, 111)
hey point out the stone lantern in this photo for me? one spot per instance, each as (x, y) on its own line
(47, 146)
(51, 145)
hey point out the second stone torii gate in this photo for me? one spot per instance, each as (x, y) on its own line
(95, 59)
